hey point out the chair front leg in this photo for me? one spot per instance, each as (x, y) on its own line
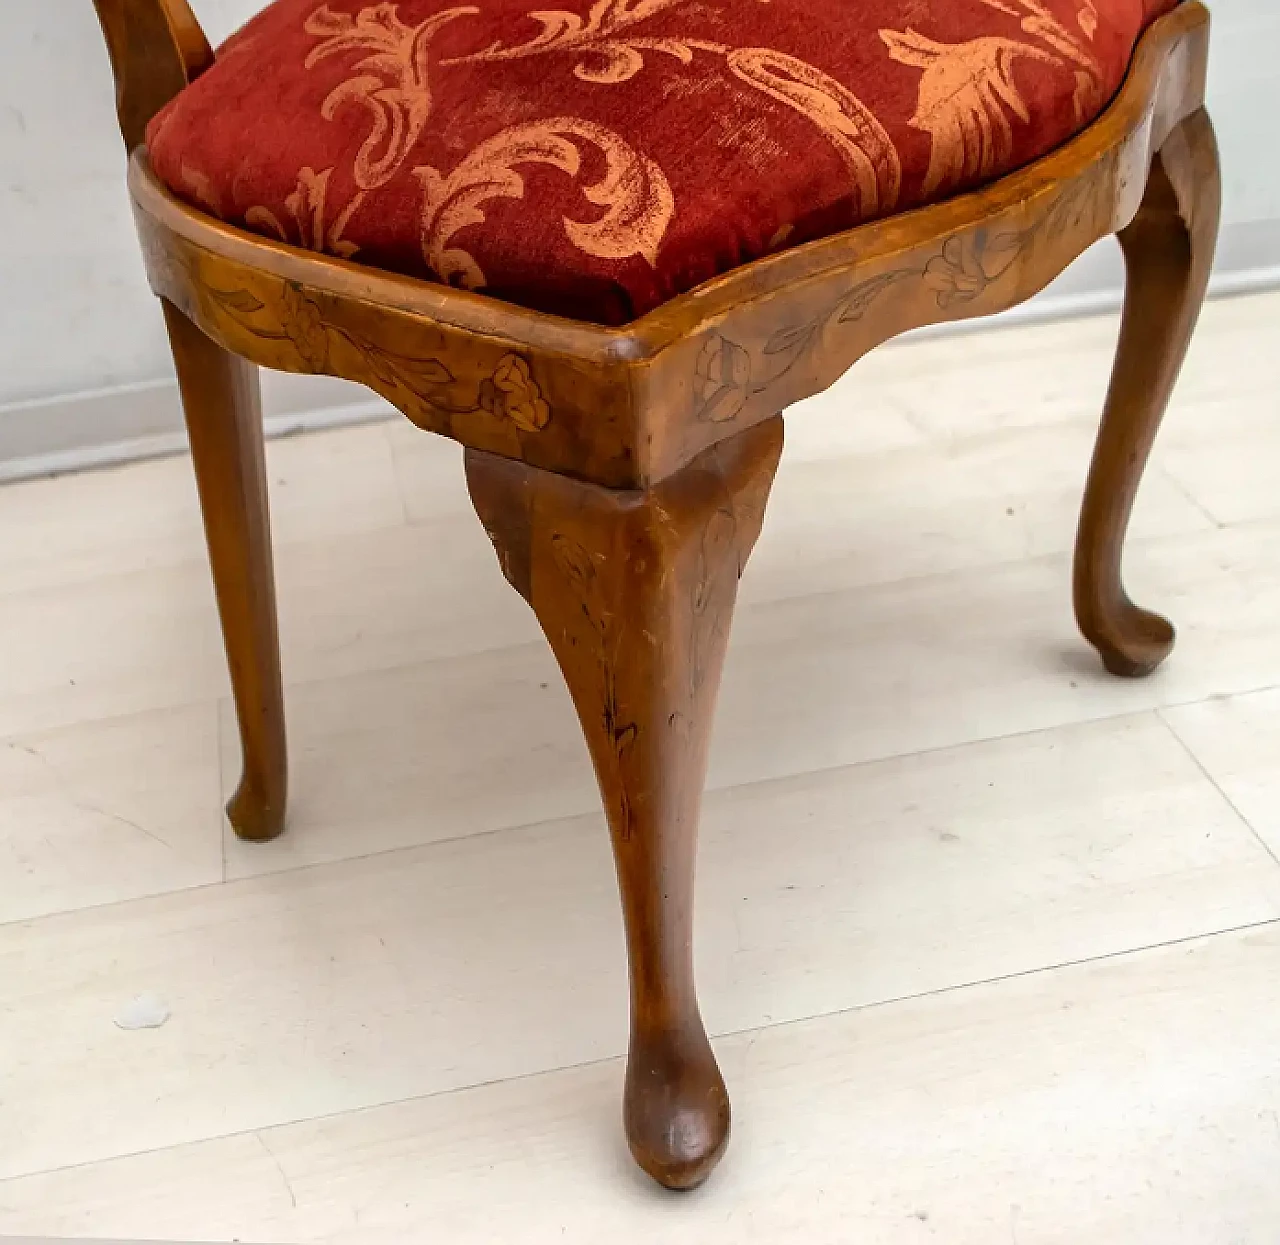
(224, 423)
(635, 592)
(1168, 252)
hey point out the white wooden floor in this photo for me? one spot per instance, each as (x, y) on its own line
(990, 942)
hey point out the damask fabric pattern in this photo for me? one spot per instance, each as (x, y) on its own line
(597, 160)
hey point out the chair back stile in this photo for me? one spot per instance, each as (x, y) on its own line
(156, 47)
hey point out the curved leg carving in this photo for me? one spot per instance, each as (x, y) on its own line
(224, 422)
(1168, 252)
(635, 592)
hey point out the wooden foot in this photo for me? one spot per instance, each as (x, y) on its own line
(1168, 252)
(224, 421)
(635, 592)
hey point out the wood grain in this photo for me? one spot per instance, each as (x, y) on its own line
(1168, 252)
(224, 421)
(635, 593)
(626, 407)
(156, 49)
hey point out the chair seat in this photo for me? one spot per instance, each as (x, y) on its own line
(597, 161)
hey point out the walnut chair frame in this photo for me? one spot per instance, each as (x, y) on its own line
(622, 473)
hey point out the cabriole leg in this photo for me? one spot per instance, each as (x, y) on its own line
(1168, 252)
(635, 592)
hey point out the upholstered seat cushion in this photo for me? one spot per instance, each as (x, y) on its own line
(599, 159)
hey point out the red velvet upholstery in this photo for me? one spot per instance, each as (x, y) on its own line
(598, 160)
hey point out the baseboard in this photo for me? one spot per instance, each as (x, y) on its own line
(128, 423)
(76, 432)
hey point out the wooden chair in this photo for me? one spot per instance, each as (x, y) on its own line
(622, 471)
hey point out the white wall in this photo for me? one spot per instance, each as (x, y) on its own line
(76, 318)
(68, 254)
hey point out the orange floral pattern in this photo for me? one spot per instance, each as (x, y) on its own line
(597, 160)
(633, 191)
(306, 208)
(391, 82)
(967, 92)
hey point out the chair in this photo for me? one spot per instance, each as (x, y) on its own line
(504, 245)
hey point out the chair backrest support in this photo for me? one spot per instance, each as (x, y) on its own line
(156, 49)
